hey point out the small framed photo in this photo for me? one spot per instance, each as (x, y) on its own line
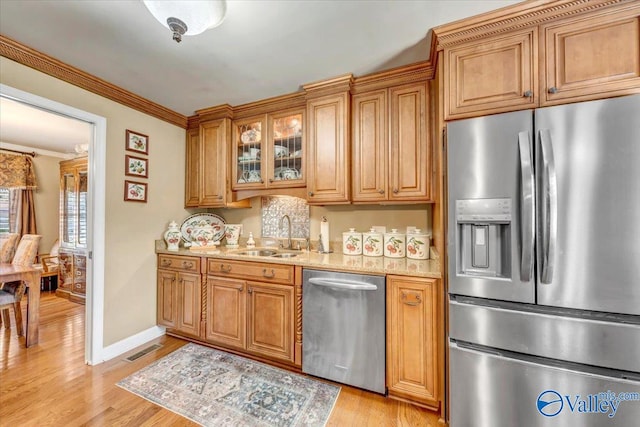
(137, 142)
(135, 191)
(136, 166)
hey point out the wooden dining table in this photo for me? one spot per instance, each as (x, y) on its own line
(31, 277)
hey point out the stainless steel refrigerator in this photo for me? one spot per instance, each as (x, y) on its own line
(544, 266)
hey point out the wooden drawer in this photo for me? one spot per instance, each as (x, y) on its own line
(179, 263)
(258, 271)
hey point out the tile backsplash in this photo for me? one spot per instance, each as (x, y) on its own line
(274, 208)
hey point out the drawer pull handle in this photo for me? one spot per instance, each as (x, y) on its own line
(166, 262)
(225, 270)
(412, 303)
(268, 276)
(187, 264)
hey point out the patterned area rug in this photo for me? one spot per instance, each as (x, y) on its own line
(214, 388)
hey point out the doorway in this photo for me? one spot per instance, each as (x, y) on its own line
(94, 305)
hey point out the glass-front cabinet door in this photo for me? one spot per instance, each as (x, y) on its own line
(83, 181)
(248, 138)
(269, 151)
(285, 156)
(69, 209)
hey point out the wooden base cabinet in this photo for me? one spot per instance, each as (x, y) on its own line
(179, 294)
(413, 340)
(251, 316)
(270, 320)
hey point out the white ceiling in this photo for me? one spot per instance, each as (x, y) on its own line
(262, 49)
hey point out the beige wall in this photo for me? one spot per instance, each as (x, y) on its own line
(340, 217)
(131, 228)
(47, 199)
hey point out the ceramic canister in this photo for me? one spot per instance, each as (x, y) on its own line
(352, 242)
(418, 245)
(372, 243)
(172, 236)
(394, 244)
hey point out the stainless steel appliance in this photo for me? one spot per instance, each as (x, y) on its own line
(544, 266)
(343, 328)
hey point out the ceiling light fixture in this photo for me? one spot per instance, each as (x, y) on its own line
(187, 17)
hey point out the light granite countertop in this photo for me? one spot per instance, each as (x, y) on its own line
(311, 259)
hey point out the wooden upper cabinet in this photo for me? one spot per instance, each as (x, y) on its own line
(328, 146)
(214, 138)
(491, 75)
(191, 185)
(391, 162)
(410, 161)
(594, 57)
(370, 146)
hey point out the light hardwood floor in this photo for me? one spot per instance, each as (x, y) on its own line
(49, 384)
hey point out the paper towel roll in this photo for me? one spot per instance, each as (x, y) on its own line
(324, 234)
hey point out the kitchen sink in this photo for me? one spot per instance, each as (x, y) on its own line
(284, 255)
(272, 253)
(258, 252)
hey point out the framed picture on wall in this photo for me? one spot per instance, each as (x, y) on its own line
(137, 142)
(136, 166)
(135, 191)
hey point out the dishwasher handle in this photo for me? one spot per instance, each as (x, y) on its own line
(343, 284)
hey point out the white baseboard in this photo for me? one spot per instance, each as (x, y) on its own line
(121, 347)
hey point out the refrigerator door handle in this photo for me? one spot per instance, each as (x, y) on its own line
(528, 207)
(549, 207)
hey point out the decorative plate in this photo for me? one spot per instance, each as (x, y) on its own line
(250, 136)
(217, 222)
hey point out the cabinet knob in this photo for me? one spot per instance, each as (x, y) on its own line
(262, 181)
(166, 262)
(268, 276)
(250, 290)
(417, 300)
(220, 197)
(381, 191)
(528, 94)
(553, 89)
(225, 270)
(395, 191)
(187, 264)
(270, 179)
(311, 193)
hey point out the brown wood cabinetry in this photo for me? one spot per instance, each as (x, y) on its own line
(414, 340)
(251, 307)
(328, 118)
(72, 276)
(270, 320)
(269, 151)
(491, 75)
(596, 56)
(538, 54)
(179, 294)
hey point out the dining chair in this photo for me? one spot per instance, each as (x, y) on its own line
(11, 293)
(8, 243)
(48, 266)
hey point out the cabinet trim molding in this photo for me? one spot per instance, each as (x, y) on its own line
(520, 16)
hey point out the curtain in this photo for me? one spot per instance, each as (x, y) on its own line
(18, 175)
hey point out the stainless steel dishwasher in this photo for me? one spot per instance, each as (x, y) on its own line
(343, 328)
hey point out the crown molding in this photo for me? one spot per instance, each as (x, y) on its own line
(46, 64)
(519, 16)
(416, 72)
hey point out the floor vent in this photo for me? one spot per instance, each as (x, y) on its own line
(141, 353)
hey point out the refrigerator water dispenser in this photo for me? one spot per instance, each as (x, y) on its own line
(483, 231)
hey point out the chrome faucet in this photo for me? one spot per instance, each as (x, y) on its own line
(288, 230)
